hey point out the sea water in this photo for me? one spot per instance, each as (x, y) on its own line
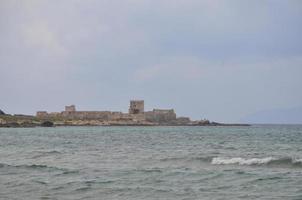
(256, 162)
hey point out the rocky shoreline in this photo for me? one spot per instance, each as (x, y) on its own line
(26, 121)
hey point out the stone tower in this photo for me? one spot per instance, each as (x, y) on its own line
(136, 107)
(70, 108)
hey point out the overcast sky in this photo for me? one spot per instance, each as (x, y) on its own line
(221, 60)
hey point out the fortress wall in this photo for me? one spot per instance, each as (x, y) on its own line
(87, 115)
(160, 115)
(136, 113)
(183, 120)
(127, 117)
(45, 115)
(42, 114)
(54, 115)
(115, 116)
(138, 117)
(90, 115)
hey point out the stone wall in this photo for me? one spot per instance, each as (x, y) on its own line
(136, 114)
(46, 115)
(55, 115)
(160, 115)
(93, 115)
(42, 114)
(183, 120)
(138, 117)
(86, 115)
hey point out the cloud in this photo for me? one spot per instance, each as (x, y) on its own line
(194, 68)
(38, 35)
(181, 69)
(220, 58)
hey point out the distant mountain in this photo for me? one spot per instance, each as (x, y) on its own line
(1, 112)
(278, 116)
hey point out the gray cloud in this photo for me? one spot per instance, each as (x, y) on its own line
(216, 59)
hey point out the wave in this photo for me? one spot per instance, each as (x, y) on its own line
(46, 153)
(33, 167)
(152, 170)
(269, 161)
(272, 161)
(51, 152)
(187, 159)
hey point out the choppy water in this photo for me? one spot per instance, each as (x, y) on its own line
(258, 162)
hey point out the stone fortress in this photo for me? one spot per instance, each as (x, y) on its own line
(135, 116)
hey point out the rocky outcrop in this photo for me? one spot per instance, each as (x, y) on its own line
(47, 124)
(155, 118)
(10, 125)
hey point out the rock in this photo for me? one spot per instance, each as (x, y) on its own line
(27, 125)
(47, 124)
(2, 121)
(13, 125)
(2, 113)
(216, 124)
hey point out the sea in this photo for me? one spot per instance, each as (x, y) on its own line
(147, 163)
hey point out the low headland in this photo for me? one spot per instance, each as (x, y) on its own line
(136, 116)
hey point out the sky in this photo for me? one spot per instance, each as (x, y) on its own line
(223, 60)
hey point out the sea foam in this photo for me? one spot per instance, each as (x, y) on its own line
(241, 161)
(271, 161)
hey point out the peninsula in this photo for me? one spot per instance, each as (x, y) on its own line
(136, 116)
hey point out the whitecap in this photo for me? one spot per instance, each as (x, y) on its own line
(241, 161)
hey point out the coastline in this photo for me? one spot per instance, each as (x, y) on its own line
(136, 116)
(25, 121)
